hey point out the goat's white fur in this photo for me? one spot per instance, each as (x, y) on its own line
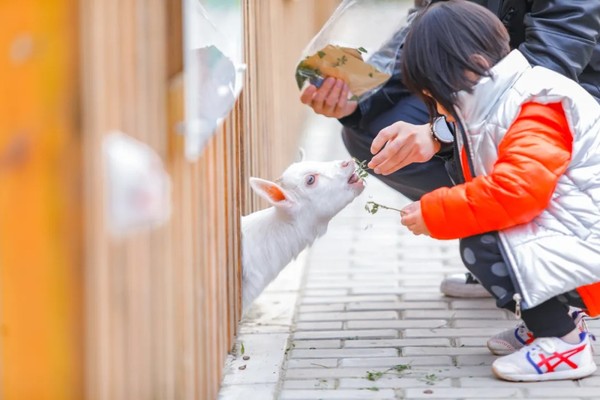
(300, 213)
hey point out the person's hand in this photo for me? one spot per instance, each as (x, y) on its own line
(404, 144)
(412, 218)
(330, 100)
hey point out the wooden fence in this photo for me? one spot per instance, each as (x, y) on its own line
(152, 316)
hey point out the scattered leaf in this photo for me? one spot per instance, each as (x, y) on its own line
(321, 382)
(290, 347)
(362, 50)
(431, 379)
(374, 375)
(321, 54)
(242, 350)
(401, 367)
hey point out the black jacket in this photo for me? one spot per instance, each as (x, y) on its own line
(562, 35)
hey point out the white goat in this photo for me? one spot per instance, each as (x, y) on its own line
(304, 200)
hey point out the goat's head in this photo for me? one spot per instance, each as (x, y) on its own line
(312, 188)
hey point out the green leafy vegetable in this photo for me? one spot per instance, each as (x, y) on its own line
(373, 207)
(361, 168)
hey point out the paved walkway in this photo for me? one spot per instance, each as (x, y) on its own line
(360, 316)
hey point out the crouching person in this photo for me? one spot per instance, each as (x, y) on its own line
(528, 145)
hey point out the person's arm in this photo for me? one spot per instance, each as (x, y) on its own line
(532, 156)
(561, 34)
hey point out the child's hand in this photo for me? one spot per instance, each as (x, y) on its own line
(412, 218)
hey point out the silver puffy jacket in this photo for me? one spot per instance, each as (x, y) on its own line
(560, 249)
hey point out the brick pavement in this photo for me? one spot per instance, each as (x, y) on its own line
(364, 319)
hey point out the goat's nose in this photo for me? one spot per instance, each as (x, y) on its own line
(345, 164)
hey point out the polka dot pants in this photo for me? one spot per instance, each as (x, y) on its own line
(482, 257)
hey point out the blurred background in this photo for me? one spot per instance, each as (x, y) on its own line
(120, 194)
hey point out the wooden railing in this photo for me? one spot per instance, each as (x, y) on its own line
(85, 315)
(161, 307)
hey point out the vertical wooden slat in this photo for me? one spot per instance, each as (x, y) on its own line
(224, 231)
(232, 215)
(40, 315)
(209, 325)
(124, 88)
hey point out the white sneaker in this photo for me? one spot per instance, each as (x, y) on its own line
(511, 340)
(547, 359)
(463, 285)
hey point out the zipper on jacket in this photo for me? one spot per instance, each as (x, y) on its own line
(466, 145)
(517, 299)
(517, 296)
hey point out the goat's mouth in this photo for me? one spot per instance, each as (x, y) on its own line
(353, 178)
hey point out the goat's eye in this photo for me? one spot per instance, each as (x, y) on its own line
(311, 179)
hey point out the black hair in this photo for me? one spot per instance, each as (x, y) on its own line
(443, 43)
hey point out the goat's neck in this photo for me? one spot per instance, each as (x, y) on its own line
(277, 237)
(290, 234)
(271, 239)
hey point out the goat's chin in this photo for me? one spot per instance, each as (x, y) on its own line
(357, 186)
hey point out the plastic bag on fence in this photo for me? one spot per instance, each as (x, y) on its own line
(360, 43)
(138, 188)
(214, 71)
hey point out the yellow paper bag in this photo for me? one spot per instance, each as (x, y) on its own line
(344, 63)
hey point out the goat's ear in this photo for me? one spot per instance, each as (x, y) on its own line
(271, 192)
(302, 154)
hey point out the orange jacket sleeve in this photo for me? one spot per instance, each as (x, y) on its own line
(534, 152)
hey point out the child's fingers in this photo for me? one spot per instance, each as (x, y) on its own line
(406, 219)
